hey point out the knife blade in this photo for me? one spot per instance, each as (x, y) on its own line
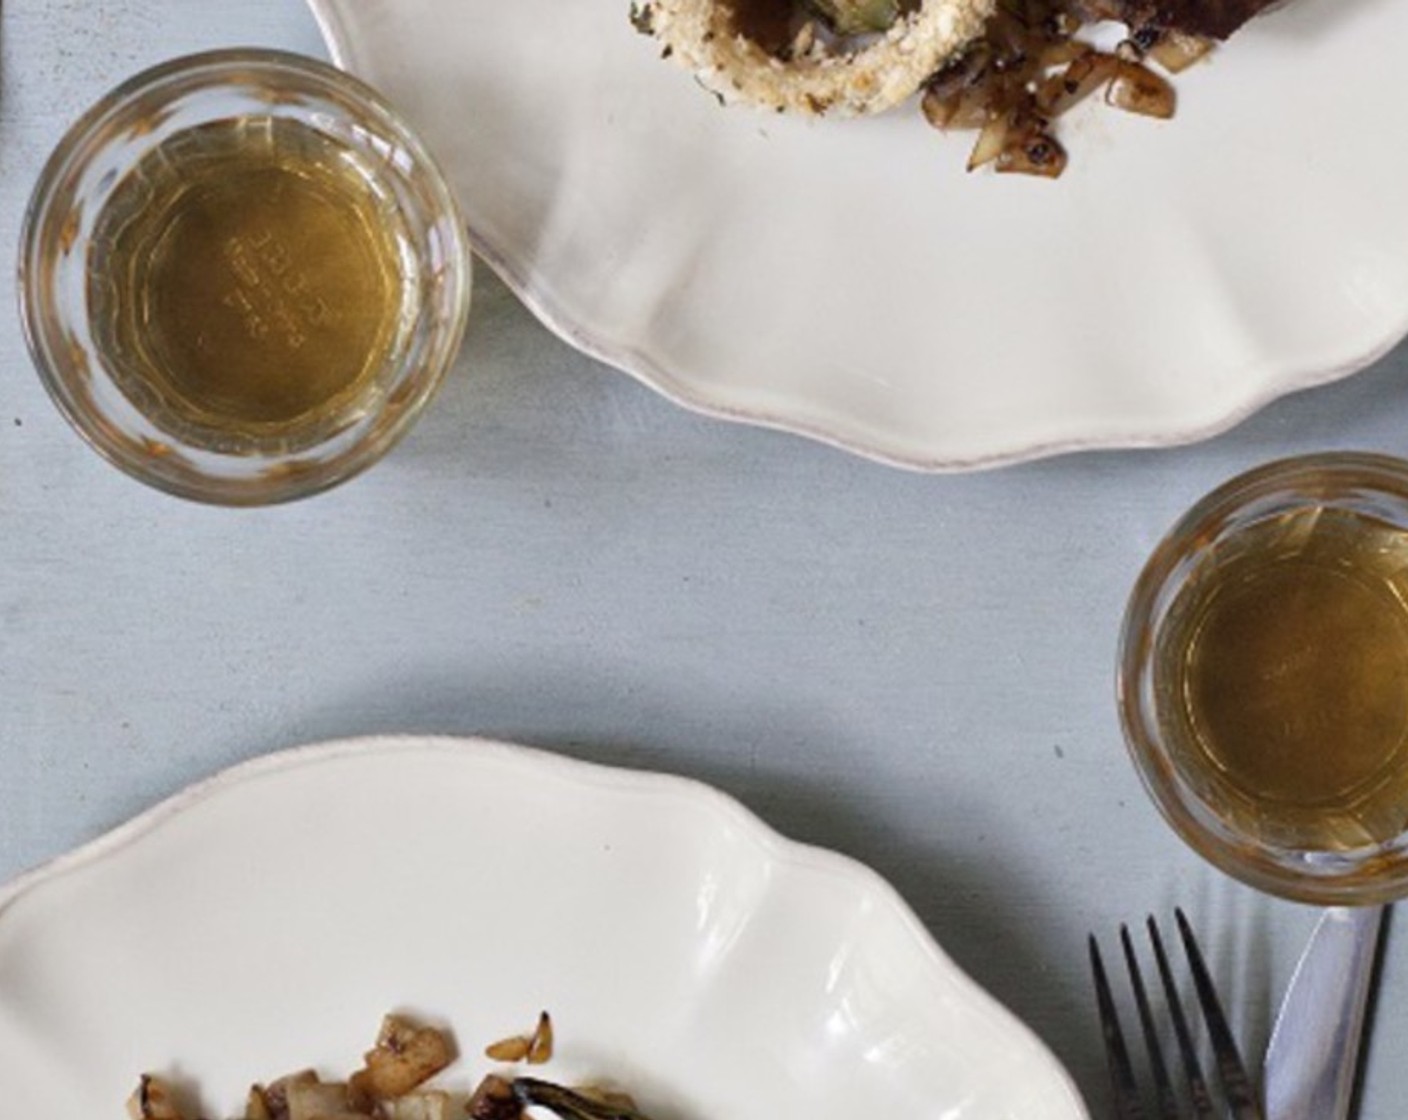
(1312, 1058)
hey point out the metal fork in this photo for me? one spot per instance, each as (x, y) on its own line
(1241, 1098)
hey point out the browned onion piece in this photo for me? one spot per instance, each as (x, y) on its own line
(513, 1049)
(1137, 89)
(939, 111)
(1032, 150)
(540, 1045)
(1061, 52)
(1068, 87)
(956, 97)
(990, 143)
(153, 1100)
(1031, 66)
(494, 1099)
(964, 109)
(1176, 50)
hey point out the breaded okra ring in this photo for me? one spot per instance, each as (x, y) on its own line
(812, 77)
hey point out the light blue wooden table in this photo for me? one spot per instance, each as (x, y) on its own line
(914, 670)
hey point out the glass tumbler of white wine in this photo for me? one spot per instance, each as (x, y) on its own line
(243, 276)
(1263, 678)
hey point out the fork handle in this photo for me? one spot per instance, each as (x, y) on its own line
(1312, 1057)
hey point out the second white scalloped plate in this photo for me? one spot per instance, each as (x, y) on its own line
(848, 281)
(266, 919)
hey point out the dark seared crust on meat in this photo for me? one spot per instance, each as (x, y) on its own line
(1215, 19)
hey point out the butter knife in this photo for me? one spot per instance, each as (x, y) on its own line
(1312, 1059)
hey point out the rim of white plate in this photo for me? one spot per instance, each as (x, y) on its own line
(768, 840)
(1277, 380)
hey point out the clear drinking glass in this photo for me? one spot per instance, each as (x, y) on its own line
(1263, 678)
(242, 276)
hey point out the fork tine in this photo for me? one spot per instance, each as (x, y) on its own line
(1126, 1090)
(1193, 1071)
(1230, 1071)
(1163, 1087)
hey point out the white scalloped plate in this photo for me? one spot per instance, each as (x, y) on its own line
(267, 918)
(848, 281)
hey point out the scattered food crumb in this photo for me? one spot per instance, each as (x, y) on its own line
(535, 1049)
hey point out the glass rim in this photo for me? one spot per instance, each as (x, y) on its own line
(1331, 881)
(83, 140)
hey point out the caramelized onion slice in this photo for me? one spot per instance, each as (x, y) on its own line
(991, 142)
(405, 1056)
(494, 1099)
(1031, 66)
(1082, 77)
(1175, 51)
(1137, 89)
(964, 109)
(1032, 150)
(153, 1100)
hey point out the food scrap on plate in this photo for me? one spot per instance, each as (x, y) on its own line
(393, 1084)
(535, 1049)
(1006, 69)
